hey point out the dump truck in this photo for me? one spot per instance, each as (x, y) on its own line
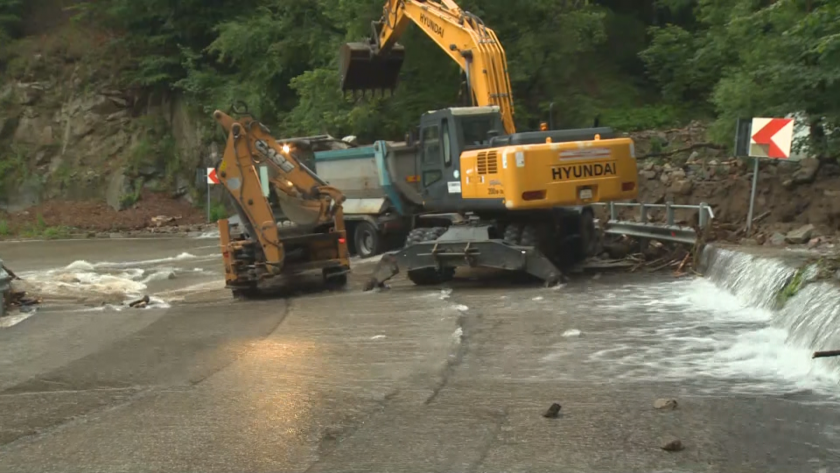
(521, 198)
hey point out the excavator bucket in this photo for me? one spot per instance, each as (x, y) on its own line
(363, 69)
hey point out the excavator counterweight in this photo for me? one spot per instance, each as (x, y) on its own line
(363, 69)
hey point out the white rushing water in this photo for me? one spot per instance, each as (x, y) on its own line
(110, 285)
(722, 333)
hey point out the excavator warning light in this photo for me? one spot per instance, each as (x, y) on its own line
(363, 68)
(543, 126)
(286, 148)
(627, 186)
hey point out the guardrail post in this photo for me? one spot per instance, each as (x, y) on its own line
(613, 211)
(643, 212)
(669, 213)
(704, 215)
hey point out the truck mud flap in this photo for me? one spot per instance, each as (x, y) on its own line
(473, 254)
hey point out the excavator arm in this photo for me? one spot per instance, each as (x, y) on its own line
(375, 64)
(304, 198)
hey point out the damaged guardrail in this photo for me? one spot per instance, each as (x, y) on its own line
(669, 231)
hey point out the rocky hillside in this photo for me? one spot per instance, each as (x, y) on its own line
(680, 166)
(68, 132)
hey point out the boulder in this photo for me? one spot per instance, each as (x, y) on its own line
(118, 187)
(777, 239)
(649, 175)
(801, 235)
(665, 404)
(807, 171)
(682, 187)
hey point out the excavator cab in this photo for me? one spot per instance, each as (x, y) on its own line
(364, 68)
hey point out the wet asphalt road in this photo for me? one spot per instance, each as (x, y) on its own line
(409, 379)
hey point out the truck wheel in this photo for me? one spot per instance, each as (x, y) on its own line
(245, 293)
(415, 236)
(529, 236)
(512, 234)
(431, 276)
(586, 229)
(435, 232)
(367, 240)
(334, 281)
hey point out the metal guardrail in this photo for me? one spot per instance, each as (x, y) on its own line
(669, 231)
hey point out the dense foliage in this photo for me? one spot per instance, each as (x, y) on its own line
(634, 64)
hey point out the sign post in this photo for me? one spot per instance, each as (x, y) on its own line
(769, 138)
(212, 179)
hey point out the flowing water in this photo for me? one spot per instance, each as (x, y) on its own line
(719, 334)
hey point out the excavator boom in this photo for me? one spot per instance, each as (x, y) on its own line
(375, 64)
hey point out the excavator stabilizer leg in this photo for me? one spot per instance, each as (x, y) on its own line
(364, 69)
(442, 253)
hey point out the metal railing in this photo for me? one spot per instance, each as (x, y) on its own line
(669, 231)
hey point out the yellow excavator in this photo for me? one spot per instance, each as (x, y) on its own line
(256, 252)
(521, 199)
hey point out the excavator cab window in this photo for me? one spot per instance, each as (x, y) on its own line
(430, 146)
(476, 130)
(447, 149)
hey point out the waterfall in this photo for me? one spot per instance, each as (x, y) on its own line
(810, 317)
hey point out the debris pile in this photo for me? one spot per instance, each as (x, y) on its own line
(624, 252)
(14, 293)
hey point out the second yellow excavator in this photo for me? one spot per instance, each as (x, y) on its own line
(522, 199)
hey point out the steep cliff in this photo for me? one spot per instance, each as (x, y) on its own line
(69, 132)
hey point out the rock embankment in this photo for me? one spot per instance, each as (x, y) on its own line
(797, 202)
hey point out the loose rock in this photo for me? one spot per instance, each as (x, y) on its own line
(777, 239)
(801, 235)
(807, 172)
(552, 411)
(674, 445)
(664, 403)
(682, 187)
(140, 303)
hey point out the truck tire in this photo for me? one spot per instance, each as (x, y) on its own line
(245, 293)
(367, 240)
(513, 233)
(428, 276)
(415, 236)
(334, 282)
(431, 276)
(586, 230)
(529, 237)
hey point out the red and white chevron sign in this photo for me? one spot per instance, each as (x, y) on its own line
(771, 137)
(212, 178)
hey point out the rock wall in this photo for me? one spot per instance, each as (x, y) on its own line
(69, 132)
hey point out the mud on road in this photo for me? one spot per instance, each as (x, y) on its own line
(408, 379)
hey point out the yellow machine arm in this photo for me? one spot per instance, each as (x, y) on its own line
(462, 35)
(301, 193)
